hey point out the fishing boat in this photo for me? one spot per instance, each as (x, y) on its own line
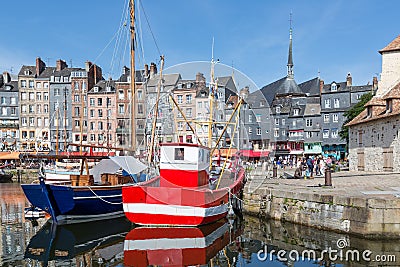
(103, 239)
(88, 197)
(182, 194)
(171, 246)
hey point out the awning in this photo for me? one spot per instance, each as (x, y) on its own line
(9, 156)
(254, 154)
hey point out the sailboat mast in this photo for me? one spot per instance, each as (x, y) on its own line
(211, 98)
(155, 112)
(133, 90)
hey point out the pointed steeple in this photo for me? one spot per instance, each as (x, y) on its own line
(290, 73)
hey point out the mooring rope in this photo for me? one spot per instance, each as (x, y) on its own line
(102, 199)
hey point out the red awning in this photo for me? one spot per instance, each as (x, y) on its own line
(254, 154)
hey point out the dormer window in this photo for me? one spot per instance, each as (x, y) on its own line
(369, 112)
(188, 85)
(180, 86)
(296, 112)
(96, 89)
(278, 109)
(27, 72)
(262, 103)
(108, 89)
(333, 87)
(389, 105)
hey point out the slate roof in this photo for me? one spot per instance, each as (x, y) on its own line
(361, 88)
(392, 46)
(12, 84)
(341, 87)
(102, 85)
(48, 71)
(139, 75)
(170, 80)
(289, 87)
(311, 87)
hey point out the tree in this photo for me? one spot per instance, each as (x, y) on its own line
(352, 113)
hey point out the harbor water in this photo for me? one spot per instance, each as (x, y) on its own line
(241, 242)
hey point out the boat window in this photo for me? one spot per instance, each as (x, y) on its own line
(179, 153)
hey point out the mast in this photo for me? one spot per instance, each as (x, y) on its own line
(153, 130)
(211, 97)
(133, 90)
(65, 119)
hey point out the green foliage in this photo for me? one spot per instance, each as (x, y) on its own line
(352, 113)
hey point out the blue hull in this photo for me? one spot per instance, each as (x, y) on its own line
(72, 204)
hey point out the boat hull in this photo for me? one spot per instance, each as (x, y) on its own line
(74, 204)
(151, 204)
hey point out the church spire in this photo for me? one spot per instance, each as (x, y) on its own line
(290, 57)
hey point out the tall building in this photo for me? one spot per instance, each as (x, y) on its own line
(9, 116)
(34, 121)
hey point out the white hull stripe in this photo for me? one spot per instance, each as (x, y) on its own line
(174, 210)
(175, 243)
(99, 196)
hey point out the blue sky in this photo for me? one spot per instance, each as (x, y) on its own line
(330, 37)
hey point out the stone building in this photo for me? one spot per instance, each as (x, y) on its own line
(34, 120)
(374, 134)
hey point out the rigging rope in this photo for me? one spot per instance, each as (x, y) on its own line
(102, 199)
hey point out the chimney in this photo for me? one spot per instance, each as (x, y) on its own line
(40, 66)
(153, 69)
(125, 70)
(1, 81)
(88, 65)
(349, 80)
(244, 92)
(321, 86)
(374, 83)
(6, 77)
(146, 70)
(61, 64)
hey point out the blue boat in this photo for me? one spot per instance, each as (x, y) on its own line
(88, 197)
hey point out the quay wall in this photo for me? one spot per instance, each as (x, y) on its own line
(367, 217)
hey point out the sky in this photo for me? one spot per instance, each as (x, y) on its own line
(330, 38)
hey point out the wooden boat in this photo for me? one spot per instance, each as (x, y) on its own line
(171, 246)
(86, 197)
(182, 194)
(63, 242)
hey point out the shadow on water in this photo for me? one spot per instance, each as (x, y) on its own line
(116, 242)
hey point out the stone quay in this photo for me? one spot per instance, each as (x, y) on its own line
(361, 203)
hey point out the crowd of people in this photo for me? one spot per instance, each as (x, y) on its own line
(307, 167)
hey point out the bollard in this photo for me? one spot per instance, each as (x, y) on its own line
(274, 172)
(328, 178)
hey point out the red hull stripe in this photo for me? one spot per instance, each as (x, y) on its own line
(174, 196)
(174, 210)
(169, 220)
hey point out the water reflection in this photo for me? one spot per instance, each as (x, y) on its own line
(184, 246)
(221, 244)
(100, 241)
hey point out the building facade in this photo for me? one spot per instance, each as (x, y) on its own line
(374, 136)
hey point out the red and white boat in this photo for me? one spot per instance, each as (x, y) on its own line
(182, 195)
(172, 246)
